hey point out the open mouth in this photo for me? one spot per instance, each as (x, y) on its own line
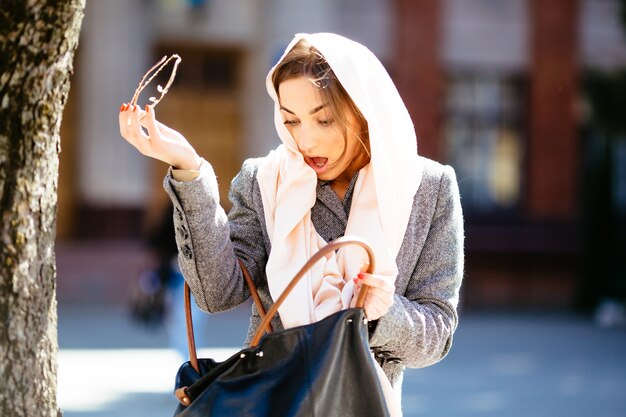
(318, 163)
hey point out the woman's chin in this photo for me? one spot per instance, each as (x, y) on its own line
(325, 175)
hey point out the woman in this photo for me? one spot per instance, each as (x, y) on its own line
(348, 164)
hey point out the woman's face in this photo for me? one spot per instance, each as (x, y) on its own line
(319, 136)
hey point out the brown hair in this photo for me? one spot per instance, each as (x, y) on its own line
(304, 60)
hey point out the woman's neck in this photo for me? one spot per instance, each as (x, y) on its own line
(342, 182)
(340, 188)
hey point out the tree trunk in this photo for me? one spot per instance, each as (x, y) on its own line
(37, 43)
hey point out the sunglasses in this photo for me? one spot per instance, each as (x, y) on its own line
(151, 74)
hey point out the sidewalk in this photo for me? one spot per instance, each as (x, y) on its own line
(500, 365)
(528, 365)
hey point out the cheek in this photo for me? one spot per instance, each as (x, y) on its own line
(353, 146)
(337, 143)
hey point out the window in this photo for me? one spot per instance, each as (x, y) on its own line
(212, 69)
(484, 141)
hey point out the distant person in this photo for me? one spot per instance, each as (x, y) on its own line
(347, 164)
(157, 297)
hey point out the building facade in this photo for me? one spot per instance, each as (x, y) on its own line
(494, 88)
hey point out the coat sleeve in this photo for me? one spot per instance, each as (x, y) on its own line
(209, 242)
(417, 330)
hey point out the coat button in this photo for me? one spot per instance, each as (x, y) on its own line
(383, 354)
(182, 231)
(187, 252)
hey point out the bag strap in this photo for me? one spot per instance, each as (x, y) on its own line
(330, 247)
(191, 342)
(253, 291)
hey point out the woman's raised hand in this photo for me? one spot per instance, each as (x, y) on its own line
(380, 295)
(160, 142)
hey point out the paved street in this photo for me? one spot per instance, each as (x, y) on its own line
(530, 365)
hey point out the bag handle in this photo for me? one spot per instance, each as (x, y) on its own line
(191, 342)
(330, 247)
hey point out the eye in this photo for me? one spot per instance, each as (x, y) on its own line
(291, 122)
(326, 122)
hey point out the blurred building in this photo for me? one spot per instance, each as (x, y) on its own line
(495, 89)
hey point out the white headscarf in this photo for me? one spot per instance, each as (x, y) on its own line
(382, 197)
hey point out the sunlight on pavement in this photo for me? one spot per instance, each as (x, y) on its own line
(89, 380)
(513, 364)
(487, 401)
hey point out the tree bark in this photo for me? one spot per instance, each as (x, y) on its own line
(37, 43)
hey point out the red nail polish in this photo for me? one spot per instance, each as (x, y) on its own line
(122, 107)
(356, 280)
(135, 108)
(360, 275)
(147, 107)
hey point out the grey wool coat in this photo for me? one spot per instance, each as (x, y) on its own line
(417, 330)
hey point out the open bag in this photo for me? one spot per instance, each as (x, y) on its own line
(320, 369)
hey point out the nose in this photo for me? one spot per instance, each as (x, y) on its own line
(306, 139)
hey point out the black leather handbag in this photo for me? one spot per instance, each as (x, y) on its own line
(320, 369)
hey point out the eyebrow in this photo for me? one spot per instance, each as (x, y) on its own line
(315, 110)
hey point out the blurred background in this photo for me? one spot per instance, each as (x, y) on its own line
(524, 98)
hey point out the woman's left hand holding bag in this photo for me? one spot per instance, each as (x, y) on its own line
(379, 297)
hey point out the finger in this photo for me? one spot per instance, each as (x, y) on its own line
(150, 122)
(133, 118)
(137, 137)
(376, 281)
(122, 117)
(124, 120)
(358, 285)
